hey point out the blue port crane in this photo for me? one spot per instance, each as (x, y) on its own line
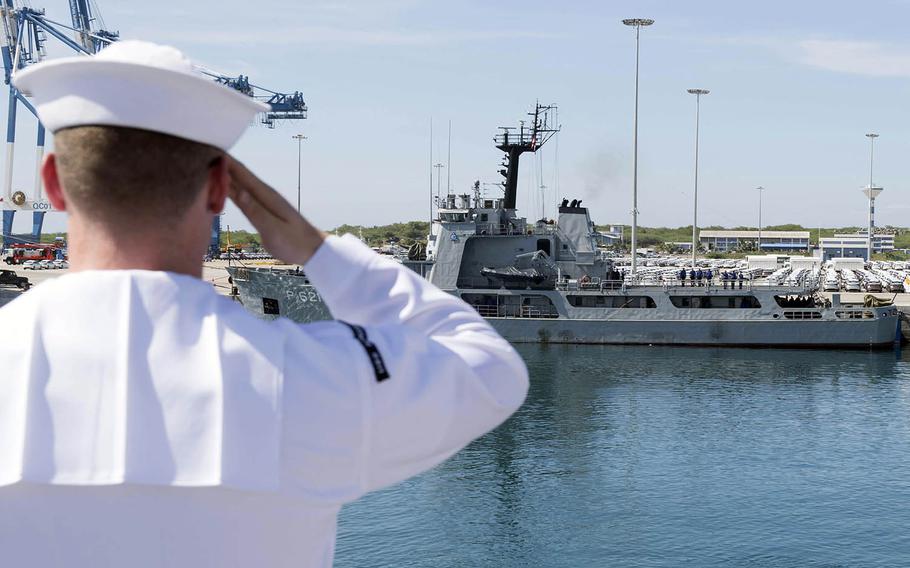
(84, 23)
(24, 39)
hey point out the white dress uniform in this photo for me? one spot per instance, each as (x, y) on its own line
(147, 421)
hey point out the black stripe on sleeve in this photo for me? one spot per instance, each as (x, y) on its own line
(379, 369)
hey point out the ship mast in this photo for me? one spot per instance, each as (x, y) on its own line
(516, 141)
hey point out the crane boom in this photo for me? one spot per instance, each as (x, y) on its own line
(24, 34)
(82, 22)
(283, 106)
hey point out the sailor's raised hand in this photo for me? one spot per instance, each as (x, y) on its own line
(285, 233)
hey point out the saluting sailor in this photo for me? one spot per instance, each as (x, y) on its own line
(146, 420)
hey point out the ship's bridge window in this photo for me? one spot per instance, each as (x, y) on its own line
(596, 301)
(715, 302)
(454, 217)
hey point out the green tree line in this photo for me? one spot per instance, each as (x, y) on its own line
(410, 232)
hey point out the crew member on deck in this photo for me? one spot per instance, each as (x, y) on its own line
(145, 420)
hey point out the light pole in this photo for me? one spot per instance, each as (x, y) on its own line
(698, 93)
(636, 23)
(299, 138)
(872, 191)
(760, 190)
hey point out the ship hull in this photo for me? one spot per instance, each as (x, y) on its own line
(271, 294)
(796, 334)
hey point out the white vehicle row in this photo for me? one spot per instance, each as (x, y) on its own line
(657, 275)
(244, 256)
(891, 281)
(45, 264)
(862, 280)
(871, 282)
(786, 276)
(802, 277)
(839, 275)
(686, 262)
(850, 281)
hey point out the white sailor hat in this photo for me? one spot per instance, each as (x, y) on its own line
(138, 84)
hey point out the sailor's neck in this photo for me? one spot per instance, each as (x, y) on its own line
(98, 251)
(77, 265)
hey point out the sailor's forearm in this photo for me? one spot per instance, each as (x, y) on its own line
(360, 287)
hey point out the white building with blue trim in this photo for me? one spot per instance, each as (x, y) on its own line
(728, 241)
(855, 245)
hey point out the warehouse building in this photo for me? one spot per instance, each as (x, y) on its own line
(611, 237)
(854, 246)
(726, 241)
(881, 242)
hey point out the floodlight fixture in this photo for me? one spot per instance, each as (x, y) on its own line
(638, 22)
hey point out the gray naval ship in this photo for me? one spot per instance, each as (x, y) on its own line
(547, 282)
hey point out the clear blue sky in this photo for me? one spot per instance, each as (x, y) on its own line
(794, 87)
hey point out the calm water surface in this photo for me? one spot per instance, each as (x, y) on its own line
(647, 456)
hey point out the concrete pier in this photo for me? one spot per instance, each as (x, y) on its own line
(212, 272)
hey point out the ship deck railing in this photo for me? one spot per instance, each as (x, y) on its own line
(510, 311)
(600, 285)
(508, 229)
(854, 313)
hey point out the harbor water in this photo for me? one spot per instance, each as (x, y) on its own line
(647, 456)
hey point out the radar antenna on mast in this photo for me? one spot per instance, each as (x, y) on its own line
(516, 141)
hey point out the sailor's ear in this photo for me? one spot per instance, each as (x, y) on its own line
(51, 179)
(217, 185)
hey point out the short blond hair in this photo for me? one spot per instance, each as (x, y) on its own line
(115, 174)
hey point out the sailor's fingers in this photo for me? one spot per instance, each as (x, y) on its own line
(285, 233)
(265, 219)
(261, 217)
(278, 234)
(243, 181)
(275, 232)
